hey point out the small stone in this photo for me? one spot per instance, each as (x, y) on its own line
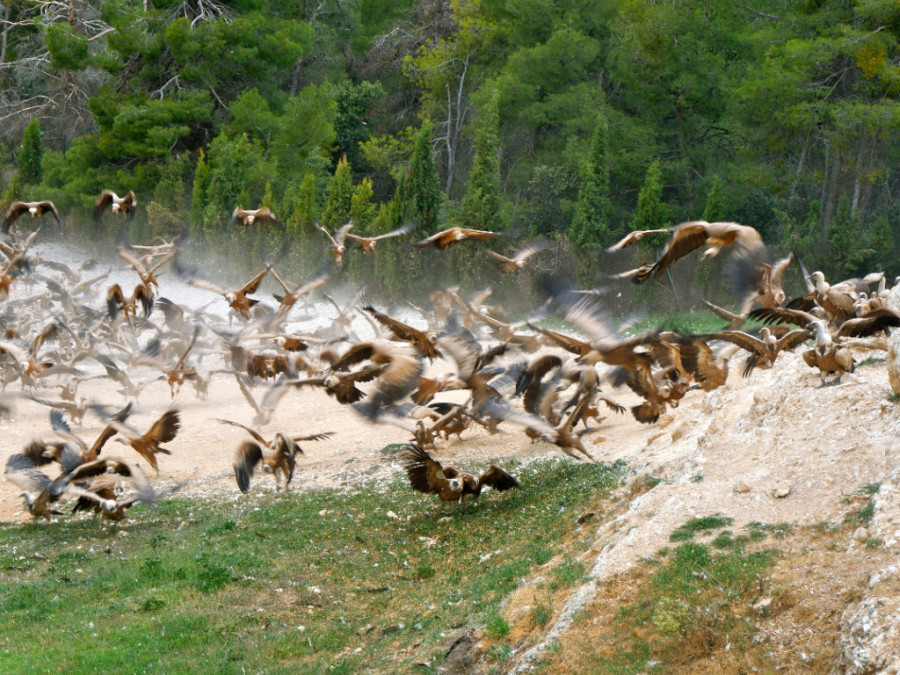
(742, 487)
(781, 490)
(761, 605)
(391, 514)
(860, 534)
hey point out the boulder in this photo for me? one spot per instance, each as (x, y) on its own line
(870, 637)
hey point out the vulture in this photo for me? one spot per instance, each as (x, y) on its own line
(338, 241)
(278, 456)
(424, 341)
(451, 237)
(687, 237)
(237, 299)
(149, 444)
(36, 209)
(367, 244)
(115, 300)
(429, 476)
(41, 492)
(248, 217)
(126, 205)
(519, 258)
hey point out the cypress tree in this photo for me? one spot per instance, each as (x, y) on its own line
(481, 206)
(362, 210)
(30, 154)
(651, 213)
(714, 211)
(303, 210)
(199, 190)
(590, 225)
(340, 194)
(418, 196)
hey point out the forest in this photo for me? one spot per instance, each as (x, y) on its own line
(570, 120)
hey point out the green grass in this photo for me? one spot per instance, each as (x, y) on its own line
(694, 601)
(863, 515)
(700, 525)
(283, 583)
(690, 323)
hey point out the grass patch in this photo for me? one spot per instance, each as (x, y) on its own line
(758, 531)
(863, 500)
(694, 601)
(871, 361)
(283, 583)
(568, 573)
(689, 323)
(700, 525)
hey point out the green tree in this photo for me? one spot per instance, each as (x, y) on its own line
(362, 210)
(883, 243)
(846, 250)
(199, 190)
(481, 207)
(170, 190)
(418, 196)
(714, 211)
(268, 198)
(238, 174)
(304, 205)
(30, 154)
(340, 195)
(590, 227)
(651, 212)
(68, 50)
(353, 102)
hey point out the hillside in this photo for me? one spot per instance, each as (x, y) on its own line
(809, 467)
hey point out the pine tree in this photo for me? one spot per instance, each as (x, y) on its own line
(30, 154)
(482, 204)
(418, 196)
(340, 194)
(590, 226)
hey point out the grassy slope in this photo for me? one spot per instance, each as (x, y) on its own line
(287, 583)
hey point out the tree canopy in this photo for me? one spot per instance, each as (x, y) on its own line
(564, 119)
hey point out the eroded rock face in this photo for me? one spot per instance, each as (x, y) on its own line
(870, 637)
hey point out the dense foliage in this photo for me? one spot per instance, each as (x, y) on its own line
(559, 119)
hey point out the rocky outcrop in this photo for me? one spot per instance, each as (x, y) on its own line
(893, 354)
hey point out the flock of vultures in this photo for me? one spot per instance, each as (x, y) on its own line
(62, 326)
